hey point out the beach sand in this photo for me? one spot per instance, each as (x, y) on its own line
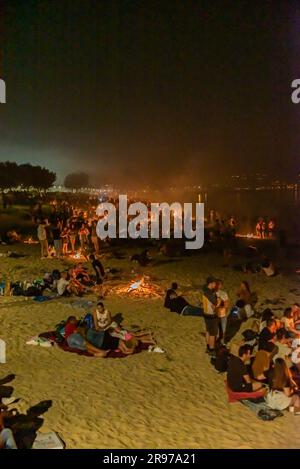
(148, 400)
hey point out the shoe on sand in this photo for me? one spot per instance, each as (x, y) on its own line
(155, 349)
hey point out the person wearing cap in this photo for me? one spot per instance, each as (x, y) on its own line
(210, 303)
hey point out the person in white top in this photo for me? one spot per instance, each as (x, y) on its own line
(63, 285)
(296, 358)
(288, 323)
(282, 342)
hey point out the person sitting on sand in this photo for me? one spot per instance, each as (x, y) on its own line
(283, 388)
(296, 315)
(266, 315)
(287, 321)
(173, 288)
(75, 339)
(262, 364)
(103, 322)
(7, 440)
(102, 318)
(283, 343)
(244, 293)
(63, 285)
(267, 336)
(143, 259)
(77, 287)
(81, 274)
(268, 267)
(238, 378)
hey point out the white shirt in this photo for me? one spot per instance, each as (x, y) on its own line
(41, 233)
(296, 343)
(62, 285)
(295, 357)
(223, 295)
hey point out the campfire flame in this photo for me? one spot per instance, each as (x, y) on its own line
(249, 236)
(140, 289)
(30, 241)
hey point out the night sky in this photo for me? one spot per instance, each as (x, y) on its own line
(151, 92)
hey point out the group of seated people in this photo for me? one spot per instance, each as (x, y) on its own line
(76, 280)
(270, 362)
(104, 336)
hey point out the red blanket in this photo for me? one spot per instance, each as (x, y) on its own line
(112, 354)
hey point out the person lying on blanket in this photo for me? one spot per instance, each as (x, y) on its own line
(103, 322)
(98, 343)
(75, 339)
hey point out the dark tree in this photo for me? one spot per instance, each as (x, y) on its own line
(25, 175)
(77, 180)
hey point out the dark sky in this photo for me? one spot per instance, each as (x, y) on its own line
(157, 92)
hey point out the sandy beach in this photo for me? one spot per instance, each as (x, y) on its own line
(148, 400)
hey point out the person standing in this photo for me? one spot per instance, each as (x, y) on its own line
(56, 234)
(83, 236)
(94, 237)
(222, 309)
(65, 236)
(210, 303)
(271, 228)
(98, 268)
(73, 236)
(42, 237)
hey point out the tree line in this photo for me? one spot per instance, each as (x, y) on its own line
(25, 175)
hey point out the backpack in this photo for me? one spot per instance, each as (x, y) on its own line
(220, 362)
(88, 320)
(60, 331)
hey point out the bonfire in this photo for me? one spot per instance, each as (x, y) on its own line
(142, 288)
(77, 255)
(30, 241)
(250, 236)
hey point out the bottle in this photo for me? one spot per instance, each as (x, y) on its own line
(2, 351)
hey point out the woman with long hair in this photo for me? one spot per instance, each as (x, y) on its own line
(282, 388)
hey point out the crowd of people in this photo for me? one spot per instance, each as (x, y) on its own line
(268, 358)
(265, 229)
(268, 361)
(64, 231)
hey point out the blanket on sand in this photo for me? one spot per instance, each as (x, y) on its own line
(51, 336)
